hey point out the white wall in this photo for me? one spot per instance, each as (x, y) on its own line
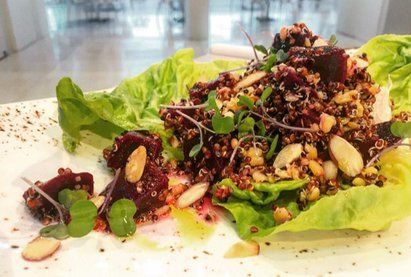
(25, 22)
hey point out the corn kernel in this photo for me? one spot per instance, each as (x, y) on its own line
(281, 215)
(327, 122)
(311, 151)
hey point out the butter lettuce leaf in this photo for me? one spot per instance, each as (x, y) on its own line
(135, 103)
(368, 208)
(390, 63)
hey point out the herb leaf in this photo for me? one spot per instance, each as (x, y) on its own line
(281, 55)
(333, 39)
(266, 93)
(246, 125)
(401, 129)
(273, 145)
(238, 117)
(68, 197)
(58, 231)
(261, 128)
(121, 218)
(261, 48)
(222, 124)
(272, 59)
(245, 101)
(195, 150)
(83, 216)
(212, 103)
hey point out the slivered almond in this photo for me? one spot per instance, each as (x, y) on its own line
(288, 154)
(348, 159)
(40, 248)
(98, 200)
(136, 163)
(330, 170)
(243, 249)
(250, 79)
(191, 195)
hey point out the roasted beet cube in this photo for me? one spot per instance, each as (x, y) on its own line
(145, 193)
(331, 63)
(41, 207)
(125, 144)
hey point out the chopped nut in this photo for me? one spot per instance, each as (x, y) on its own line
(259, 177)
(234, 143)
(327, 122)
(346, 97)
(174, 142)
(243, 249)
(353, 125)
(316, 168)
(192, 195)
(256, 156)
(136, 163)
(98, 200)
(358, 181)
(288, 154)
(311, 151)
(313, 194)
(281, 215)
(283, 174)
(348, 159)
(330, 170)
(250, 79)
(40, 248)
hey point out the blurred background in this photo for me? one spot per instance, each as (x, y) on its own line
(100, 42)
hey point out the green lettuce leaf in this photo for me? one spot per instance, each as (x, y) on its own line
(368, 208)
(390, 60)
(135, 103)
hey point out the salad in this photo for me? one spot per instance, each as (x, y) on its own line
(309, 136)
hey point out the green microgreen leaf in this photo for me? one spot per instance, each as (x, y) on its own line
(120, 218)
(244, 100)
(333, 39)
(266, 93)
(195, 150)
(247, 125)
(68, 197)
(222, 124)
(212, 103)
(58, 231)
(401, 129)
(83, 215)
(281, 55)
(261, 128)
(238, 117)
(272, 59)
(273, 145)
(261, 48)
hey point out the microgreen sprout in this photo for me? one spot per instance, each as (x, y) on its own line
(110, 186)
(282, 125)
(121, 218)
(251, 43)
(196, 148)
(377, 156)
(401, 129)
(333, 39)
(57, 205)
(195, 122)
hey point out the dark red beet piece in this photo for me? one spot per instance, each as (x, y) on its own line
(291, 79)
(125, 144)
(331, 63)
(40, 207)
(146, 192)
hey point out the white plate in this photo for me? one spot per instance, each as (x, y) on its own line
(30, 146)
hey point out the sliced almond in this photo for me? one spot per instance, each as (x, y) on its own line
(192, 195)
(40, 248)
(243, 249)
(136, 163)
(348, 159)
(250, 79)
(98, 200)
(330, 170)
(288, 154)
